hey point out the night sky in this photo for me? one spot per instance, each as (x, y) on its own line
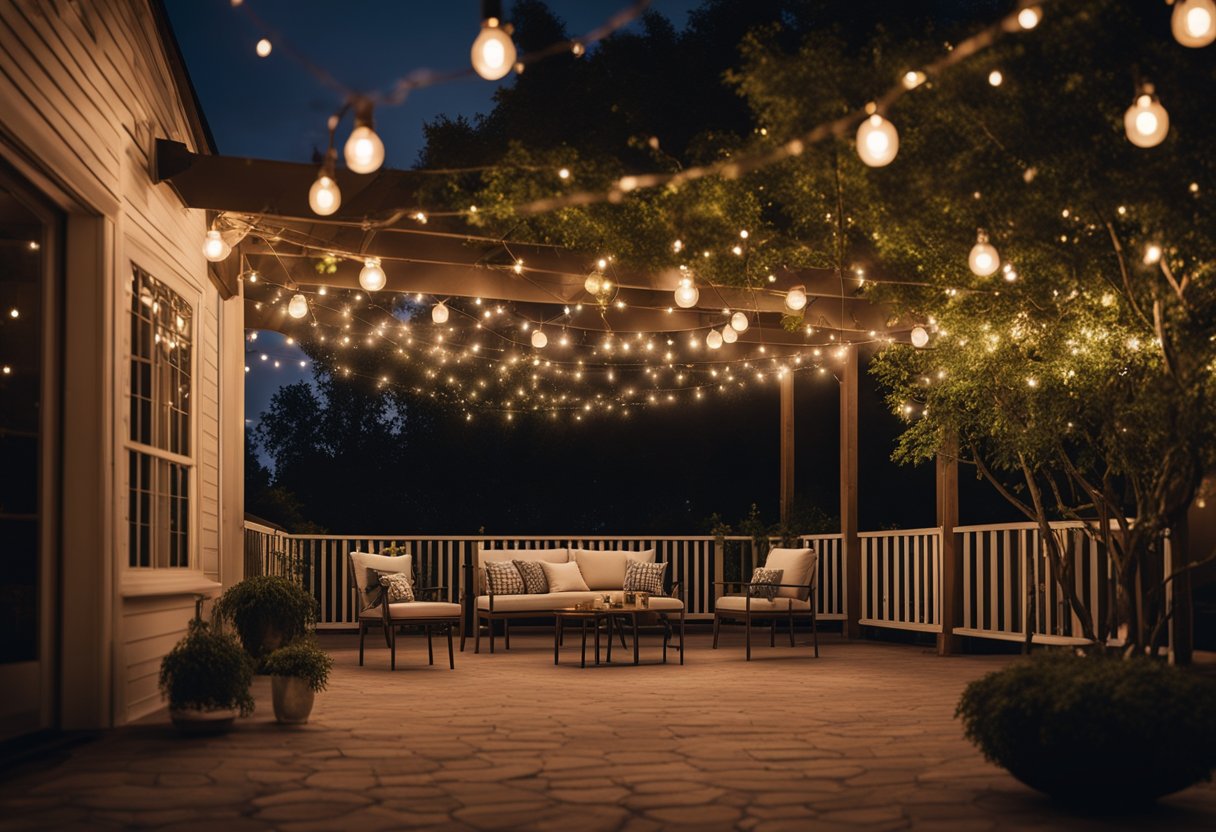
(274, 108)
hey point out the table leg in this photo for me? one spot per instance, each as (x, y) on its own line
(635, 638)
(556, 628)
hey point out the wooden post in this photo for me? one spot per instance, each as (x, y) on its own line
(787, 445)
(950, 581)
(850, 545)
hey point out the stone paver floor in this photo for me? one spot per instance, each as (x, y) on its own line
(862, 738)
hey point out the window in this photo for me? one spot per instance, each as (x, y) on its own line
(159, 448)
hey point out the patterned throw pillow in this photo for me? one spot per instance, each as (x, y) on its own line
(533, 575)
(502, 578)
(397, 586)
(765, 576)
(644, 577)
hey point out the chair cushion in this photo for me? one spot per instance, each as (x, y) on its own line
(564, 577)
(533, 575)
(536, 603)
(423, 609)
(662, 603)
(798, 566)
(606, 569)
(364, 564)
(397, 586)
(738, 603)
(503, 579)
(763, 576)
(644, 577)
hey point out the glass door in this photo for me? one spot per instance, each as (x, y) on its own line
(29, 239)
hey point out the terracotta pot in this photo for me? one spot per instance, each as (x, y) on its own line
(196, 722)
(293, 699)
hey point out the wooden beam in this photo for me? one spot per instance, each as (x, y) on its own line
(850, 544)
(951, 565)
(787, 446)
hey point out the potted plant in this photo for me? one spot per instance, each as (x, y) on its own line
(267, 611)
(1095, 731)
(298, 672)
(206, 677)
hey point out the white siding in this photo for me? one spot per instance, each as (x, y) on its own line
(84, 90)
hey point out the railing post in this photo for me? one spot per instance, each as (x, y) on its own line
(719, 550)
(849, 542)
(950, 579)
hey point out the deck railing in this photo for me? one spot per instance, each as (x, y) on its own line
(1005, 576)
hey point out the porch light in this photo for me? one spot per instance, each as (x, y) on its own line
(298, 306)
(877, 141)
(1146, 121)
(215, 248)
(364, 151)
(984, 259)
(371, 276)
(1194, 22)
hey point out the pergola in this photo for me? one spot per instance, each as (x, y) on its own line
(262, 208)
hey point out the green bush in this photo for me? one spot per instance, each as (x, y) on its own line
(1095, 731)
(265, 607)
(302, 659)
(207, 671)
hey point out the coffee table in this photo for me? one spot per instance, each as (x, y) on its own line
(595, 617)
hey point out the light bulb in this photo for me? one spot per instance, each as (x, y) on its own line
(877, 141)
(795, 299)
(493, 51)
(687, 294)
(1029, 17)
(540, 340)
(729, 335)
(920, 337)
(215, 248)
(371, 276)
(1194, 22)
(439, 313)
(263, 48)
(324, 197)
(739, 322)
(364, 151)
(298, 306)
(1152, 254)
(1146, 121)
(594, 284)
(996, 78)
(983, 259)
(713, 339)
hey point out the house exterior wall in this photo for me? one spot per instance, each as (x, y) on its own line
(85, 88)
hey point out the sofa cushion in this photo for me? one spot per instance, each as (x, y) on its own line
(761, 580)
(798, 566)
(738, 603)
(363, 567)
(397, 586)
(606, 569)
(533, 575)
(564, 577)
(503, 579)
(536, 603)
(644, 577)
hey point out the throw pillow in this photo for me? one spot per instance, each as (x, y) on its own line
(502, 578)
(564, 577)
(644, 577)
(761, 583)
(533, 575)
(397, 586)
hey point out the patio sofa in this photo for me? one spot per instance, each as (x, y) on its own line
(601, 571)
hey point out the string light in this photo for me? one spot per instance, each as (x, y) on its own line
(493, 52)
(439, 313)
(324, 197)
(877, 141)
(713, 339)
(920, 337)
(996, 78)
(1194, 22)
(371, 276)
(1146, 121)
(364, 151)
(1029, 17)
(739, 322)
(215, 247)
(687, 294)
(795, 299)
(297, 307)
(263, 48)
(1152, 254)
(729, 335)
(984, 259)
(539, 339)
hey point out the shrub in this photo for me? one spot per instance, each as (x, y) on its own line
(1095, 730)
(264, 607)
(302, 659)
(207, 671)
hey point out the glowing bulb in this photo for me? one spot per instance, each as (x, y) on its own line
(364, 151)
(493, 52)
(263, 48)
(439, 313)
(324, 196)
(729, 335)
(687, 294)
(1194, 22)
(371, 276)
(1029, 17)
(215, 248)
(739, 322)
(795, 299)
(1146, 121)
(594, 284)
(877, 141)
(298, 306)
(540, 340)
(983, 259)
(1152, 255)
(564, 173)
(995, 78)
(920, 337)
(713, 339)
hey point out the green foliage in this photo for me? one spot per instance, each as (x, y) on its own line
(207, 671)
(1096, 731)
(267, 605)
(302, 659)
